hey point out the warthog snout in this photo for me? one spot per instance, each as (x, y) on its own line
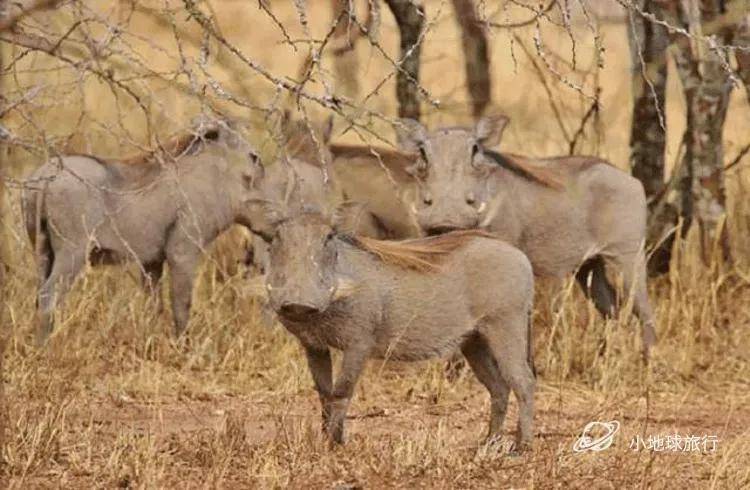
(295, 311)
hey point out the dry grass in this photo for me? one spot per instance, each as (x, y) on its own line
(115, 402)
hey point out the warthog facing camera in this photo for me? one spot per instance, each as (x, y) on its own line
(403, 300)
(567, 214)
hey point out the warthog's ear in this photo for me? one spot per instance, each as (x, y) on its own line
(347, 217)
(410, 134)
(489, 129)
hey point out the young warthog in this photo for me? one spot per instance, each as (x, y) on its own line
(403, 300)
(567, 214)
(80, 207)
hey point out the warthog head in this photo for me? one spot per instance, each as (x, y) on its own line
(304, 240)
(303, 277)
(242, 169)
(453, 190)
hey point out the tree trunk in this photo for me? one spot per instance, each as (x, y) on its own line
(648, 48)
(742, 39)
(410, 19)
(345, 61)
(707, 86)
(476, 55)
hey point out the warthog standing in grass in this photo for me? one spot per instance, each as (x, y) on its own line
(403, 300)
(567, 214)
(80, 208)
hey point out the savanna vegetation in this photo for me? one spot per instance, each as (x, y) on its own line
(114, 400)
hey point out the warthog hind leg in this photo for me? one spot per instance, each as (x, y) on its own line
(592, 277)
(65, 268)
(151, 279)
(486, 370)
(633, 268)
(513, 363)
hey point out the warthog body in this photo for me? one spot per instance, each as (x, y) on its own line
(80, 208)
(408, 300)
(567, 214)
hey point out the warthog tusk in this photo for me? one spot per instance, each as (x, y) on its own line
(343, 289)
(491, 213)
(413, 209)
(482, 207)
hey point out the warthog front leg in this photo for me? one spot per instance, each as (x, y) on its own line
(351, 369)
(485, 368)
(319, 362)
(182, 276)
(183, 257)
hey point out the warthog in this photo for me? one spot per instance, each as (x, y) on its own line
(567, 213)
(373, 178)
(403, 300)
(80, 208)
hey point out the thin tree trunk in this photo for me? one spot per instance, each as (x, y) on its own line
(742, 38)
(707, 86)
(476, 55)
(345, 35)
(648, 49)
(409, 16)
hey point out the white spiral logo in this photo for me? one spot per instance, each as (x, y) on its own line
(588, 443)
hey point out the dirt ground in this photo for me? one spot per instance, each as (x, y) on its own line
(408, 442)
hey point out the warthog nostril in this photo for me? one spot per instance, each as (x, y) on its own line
(297, 310)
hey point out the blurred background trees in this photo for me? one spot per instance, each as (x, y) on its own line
(113, 78)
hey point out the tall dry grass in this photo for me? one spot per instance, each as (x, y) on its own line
(114, 401)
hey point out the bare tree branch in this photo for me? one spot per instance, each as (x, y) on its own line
(19, 9)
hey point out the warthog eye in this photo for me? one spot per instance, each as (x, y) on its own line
(474, 150)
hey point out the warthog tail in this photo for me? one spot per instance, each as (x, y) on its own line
(530, 345)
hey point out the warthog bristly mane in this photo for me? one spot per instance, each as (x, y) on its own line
(420, 254)
(518, 165)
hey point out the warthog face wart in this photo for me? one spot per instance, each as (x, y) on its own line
(452, 173)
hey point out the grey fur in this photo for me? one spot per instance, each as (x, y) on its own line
(81, 208)
(567, 214)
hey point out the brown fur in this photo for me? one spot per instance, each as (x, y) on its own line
(523, 166)
(174, 147)
(392, 159)
(421, 254)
